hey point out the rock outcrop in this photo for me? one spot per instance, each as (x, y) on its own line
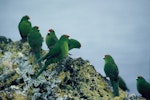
(69, 79)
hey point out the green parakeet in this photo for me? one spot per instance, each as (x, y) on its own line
(122, 84)
(143, 87)
(51, 39)
(72, 43)
(35, 41)
(111, 71)
(24, 27)
(58, 52)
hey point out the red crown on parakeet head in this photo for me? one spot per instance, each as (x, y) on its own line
(67, 36)
(50, 30)
(107, 55)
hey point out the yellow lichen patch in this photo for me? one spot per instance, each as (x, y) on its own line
(6, 96)
(51, 67)
(12, 78)
(61, 76)
(7, 64)
(30, 94)
(11, 96)
(1, 54)
(58, 90)
(64, 76)
(18, 97)
(1, 68)
(15, 65)
(14, 55)
(31, 58)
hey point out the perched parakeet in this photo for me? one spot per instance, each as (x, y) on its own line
(51, 39)
(72, 43)
(58, 52)
(24, 27)
(35, 41)
(143, 87)
(111, 71)
(122, 84)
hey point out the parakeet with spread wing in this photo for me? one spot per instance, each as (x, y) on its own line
(58, 52)
(72, 43)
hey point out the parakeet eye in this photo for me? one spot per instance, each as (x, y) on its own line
(48, 34)
(36, 27)
(139, 77)
(28, 17)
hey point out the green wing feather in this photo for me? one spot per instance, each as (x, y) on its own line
(122, 84)
(72, 43)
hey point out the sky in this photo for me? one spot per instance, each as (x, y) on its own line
(120, 28)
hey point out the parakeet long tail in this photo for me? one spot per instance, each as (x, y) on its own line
(115, 86)
(40, 59)
(41, 70)
(47, 56)
(38, 55)
(24, 39)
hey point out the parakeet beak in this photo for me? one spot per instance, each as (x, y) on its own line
(28, 17)
(37, 27)
(80, 45)
(138, 77)
(104, 56)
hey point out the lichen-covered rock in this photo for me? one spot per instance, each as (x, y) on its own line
(69, 79)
